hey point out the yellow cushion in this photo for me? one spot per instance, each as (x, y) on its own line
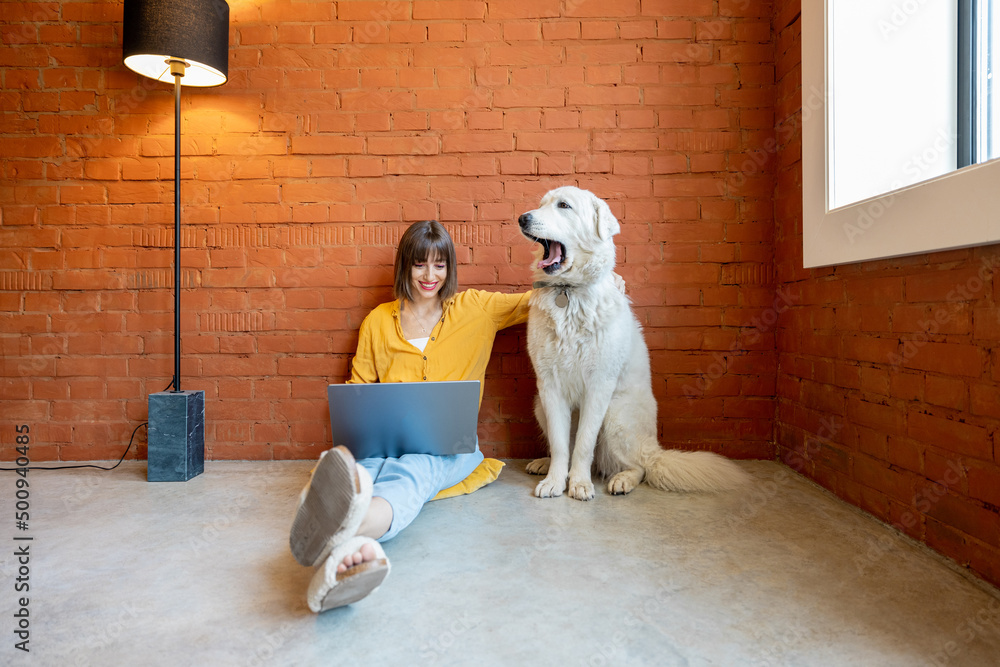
(485, 472)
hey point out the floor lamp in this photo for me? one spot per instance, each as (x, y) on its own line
(185, 42)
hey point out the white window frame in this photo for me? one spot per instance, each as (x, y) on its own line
(959, 209)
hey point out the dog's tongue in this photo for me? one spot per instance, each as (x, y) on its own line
(555, 255)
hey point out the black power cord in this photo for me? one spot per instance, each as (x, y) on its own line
(86, 465)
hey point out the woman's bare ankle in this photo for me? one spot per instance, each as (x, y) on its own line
(378, 519)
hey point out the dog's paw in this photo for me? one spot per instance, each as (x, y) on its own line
(550, 488)
(539, 466)
(621, 484)
(581, 489)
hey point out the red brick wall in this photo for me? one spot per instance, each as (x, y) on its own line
(341, 123)
(888, 371)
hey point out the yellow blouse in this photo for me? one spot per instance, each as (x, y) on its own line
(459, 347)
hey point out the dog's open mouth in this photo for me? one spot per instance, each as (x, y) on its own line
(553, 255)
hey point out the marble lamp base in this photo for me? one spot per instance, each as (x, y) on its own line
(176, 437)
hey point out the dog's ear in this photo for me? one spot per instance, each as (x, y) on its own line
(607, 224)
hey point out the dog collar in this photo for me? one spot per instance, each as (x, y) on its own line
(562, 299)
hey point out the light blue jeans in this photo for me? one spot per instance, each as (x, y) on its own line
(408, 482)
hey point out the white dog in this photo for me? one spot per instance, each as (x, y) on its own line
(591, 362)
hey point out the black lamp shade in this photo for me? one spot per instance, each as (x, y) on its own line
(196, 31)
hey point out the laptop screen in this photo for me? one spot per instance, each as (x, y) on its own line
(395, 418)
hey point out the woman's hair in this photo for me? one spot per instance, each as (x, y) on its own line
(424, 241)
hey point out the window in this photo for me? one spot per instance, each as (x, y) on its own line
(894, 104)
(900, 122)
(979, 53)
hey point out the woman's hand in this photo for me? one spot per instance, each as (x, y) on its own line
(619, 282)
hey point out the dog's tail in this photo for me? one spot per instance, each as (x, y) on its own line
(675, 470)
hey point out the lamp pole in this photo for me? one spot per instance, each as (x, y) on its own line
(183, 41)
(177, 67)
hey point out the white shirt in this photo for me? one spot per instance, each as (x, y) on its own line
(419, 343)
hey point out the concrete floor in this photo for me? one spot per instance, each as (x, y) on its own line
(124, 572)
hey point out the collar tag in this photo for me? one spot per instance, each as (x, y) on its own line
(562, 299)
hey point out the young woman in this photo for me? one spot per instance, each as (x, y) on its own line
(430, 332)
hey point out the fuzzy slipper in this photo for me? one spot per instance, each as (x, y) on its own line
(331, 506)
(330, 589)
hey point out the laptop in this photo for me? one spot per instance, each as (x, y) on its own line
(389, 419)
